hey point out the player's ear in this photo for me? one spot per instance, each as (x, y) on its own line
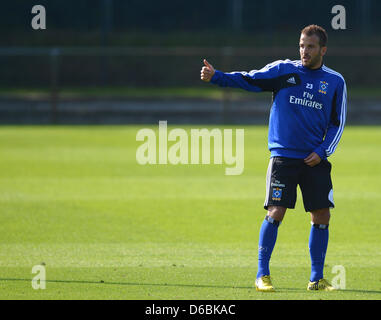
(323, 50)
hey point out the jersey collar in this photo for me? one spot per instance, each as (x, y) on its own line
(312, 70)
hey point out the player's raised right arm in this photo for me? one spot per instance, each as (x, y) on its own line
(264, 79)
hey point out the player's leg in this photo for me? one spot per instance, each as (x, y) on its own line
(318, 242)
(316, 187)
(280, 195)
(267, 238)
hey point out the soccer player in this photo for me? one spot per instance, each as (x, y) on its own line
(306, 123)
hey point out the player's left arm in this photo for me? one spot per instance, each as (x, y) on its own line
(337, 122)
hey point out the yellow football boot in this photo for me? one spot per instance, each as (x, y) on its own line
(322, 285)
(264, 284)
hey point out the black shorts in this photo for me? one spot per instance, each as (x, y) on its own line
(283, 176)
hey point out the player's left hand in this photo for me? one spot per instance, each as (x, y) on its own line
(312, 160)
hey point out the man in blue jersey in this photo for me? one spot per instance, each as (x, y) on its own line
(306, 123)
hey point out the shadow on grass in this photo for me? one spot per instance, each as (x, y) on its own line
(101, 282)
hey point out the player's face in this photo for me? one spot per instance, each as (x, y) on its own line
(310, 51)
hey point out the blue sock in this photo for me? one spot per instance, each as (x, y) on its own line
(318, 243)
(267, 239)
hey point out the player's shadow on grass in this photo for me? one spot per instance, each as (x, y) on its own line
(101, 282)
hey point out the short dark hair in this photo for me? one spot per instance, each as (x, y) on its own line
(319, 31)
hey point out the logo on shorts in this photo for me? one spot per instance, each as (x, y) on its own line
(277, 194)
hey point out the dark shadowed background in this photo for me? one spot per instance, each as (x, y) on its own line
(114, 61)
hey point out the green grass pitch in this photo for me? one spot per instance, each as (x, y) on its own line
(75, 200)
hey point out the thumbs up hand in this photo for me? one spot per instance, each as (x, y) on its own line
(207, 71)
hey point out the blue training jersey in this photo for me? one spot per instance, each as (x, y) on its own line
(309, 106)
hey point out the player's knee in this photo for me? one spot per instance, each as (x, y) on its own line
(321, 216)
(276, 212)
